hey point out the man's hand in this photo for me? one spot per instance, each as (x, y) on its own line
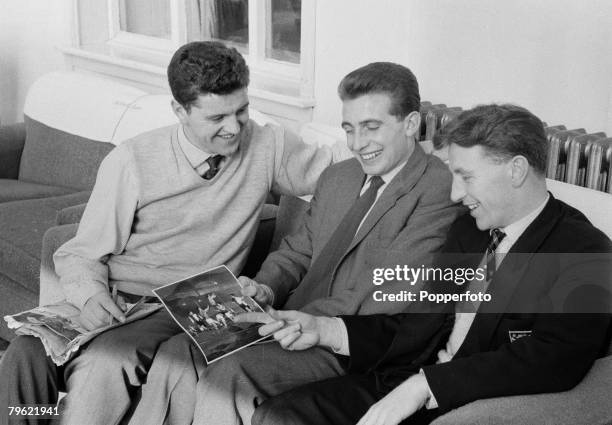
(292, 329)
(399, 404)
(261, 293)
(99, 311)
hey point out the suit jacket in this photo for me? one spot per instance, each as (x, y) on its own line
(407, 225)
(556, 350)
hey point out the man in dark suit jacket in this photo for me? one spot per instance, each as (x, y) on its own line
(410, 368)
(327, 266)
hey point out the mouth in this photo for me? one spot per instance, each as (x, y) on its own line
(473, 206)
(227, 136)
(370, 155)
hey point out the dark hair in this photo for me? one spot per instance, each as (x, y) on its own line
(384, 77)
(504, 131)
(205, 67)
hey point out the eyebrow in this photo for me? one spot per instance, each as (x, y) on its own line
(212, 117)
(362, 123)
(461, 171)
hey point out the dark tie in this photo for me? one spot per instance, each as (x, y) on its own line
(316, 282)
(496, 237)
(213, 166)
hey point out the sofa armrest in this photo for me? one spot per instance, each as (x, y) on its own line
(50, 290)
(70, 215)
(12, 140)
(587, 403)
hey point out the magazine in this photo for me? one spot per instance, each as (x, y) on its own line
(205, 305)
(60, 329)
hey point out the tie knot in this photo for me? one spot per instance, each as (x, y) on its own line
(213, 166)
(214, 161)
(496, 237)
(376, 182)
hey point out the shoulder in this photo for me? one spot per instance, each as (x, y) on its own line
(574, 231)
(340, 171)
(437, 173)
(150, 140)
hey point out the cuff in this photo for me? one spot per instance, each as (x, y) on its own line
(342, 337)
(431, 402)
(79, 292)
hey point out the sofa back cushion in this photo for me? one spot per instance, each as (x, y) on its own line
(70, 120)
(54, 157)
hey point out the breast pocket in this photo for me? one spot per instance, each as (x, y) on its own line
(514, 328)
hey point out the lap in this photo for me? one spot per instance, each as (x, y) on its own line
(274, 369)
(143, 335)
(334, 401)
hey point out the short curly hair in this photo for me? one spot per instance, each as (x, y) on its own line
(203, 67)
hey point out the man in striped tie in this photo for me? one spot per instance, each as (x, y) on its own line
(411, 368)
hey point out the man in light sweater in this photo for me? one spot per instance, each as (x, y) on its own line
(167, 204)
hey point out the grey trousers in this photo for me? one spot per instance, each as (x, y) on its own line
(100, 381)
(229, 390)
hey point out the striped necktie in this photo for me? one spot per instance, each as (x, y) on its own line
(214, 163)
(496, 237)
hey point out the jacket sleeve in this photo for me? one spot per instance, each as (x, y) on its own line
(284, 269)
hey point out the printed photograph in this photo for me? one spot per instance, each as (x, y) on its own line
(205, 306)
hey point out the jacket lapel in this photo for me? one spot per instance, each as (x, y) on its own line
(402, 184)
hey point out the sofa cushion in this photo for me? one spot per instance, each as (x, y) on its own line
(22, 225)
(54, 157)
(588, 403)
(15, 190)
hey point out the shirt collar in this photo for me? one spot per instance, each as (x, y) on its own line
(389, 175)
(514, 230)
(195, 155)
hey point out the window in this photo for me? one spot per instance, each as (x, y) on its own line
(275, 36)
(132, 40)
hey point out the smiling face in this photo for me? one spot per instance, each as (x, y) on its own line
(214, 123)
(484, 185)
(380, 141)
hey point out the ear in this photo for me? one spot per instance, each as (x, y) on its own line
(180, 111)
(412, 123)
(519, 169)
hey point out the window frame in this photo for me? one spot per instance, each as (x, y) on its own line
(286, 78)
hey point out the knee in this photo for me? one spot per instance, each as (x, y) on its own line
(111, 349)
(25, 351)
(174, 353)
(225, 370)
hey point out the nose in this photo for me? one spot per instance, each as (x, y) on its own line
(356, 141)
(457, 189)
(232, 124)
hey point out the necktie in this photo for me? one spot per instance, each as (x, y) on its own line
(496, 237)
(213, 166)
(465, 312)
(316, 282)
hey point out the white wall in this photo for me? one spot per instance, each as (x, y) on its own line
(29, 32)
(551, 56)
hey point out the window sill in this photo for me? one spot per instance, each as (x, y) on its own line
(274, 95)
